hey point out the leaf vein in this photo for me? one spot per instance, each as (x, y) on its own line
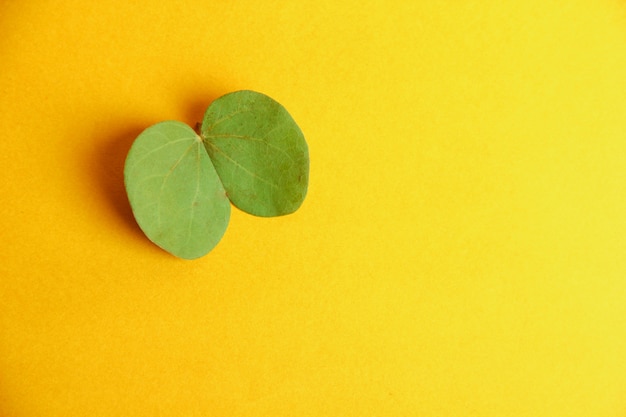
(252, 174)
(166, 177)
(158, 148)
(227, 117)
(253, 138)
(193, 201)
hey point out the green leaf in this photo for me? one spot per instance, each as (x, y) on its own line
(258, 151)
(174, 191)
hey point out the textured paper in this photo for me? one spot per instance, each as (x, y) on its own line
(460, 251)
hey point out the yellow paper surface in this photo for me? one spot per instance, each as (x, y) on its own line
(461, 251)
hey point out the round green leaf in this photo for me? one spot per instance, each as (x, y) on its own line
(175, 193)
(258, 151)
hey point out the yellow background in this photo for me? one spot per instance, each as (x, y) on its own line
(461, 251)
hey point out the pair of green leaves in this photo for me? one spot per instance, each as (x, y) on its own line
(248, 151)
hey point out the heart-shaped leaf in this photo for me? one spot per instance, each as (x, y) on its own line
(175, 194)
(258, 151)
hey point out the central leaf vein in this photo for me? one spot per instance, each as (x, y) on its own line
(193, 201)
(237, 164)
(227, 117)
(166, 177)
(158, 148)
(252, 138)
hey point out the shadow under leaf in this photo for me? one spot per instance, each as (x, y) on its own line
(108, 169)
